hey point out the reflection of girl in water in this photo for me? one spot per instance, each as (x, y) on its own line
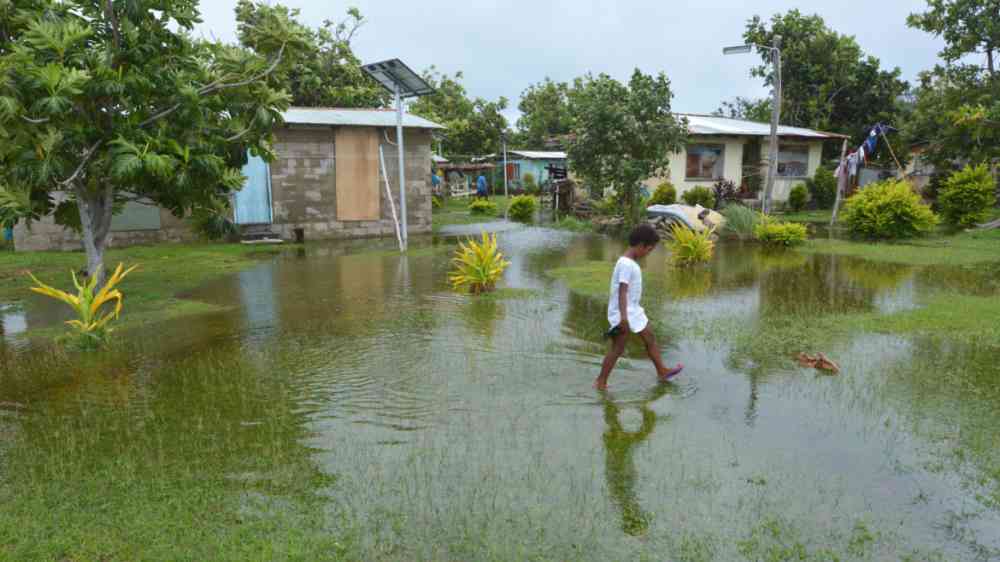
(619, 466)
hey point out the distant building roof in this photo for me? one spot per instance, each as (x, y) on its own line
(354, 117)
(699, 124)
(438, 159)
(538, 154)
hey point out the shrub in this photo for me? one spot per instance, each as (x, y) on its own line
(91, 325)
(724, 192)
(574, 224)
(797, 197)
(665, 194)
(823, 189)
(688, 247)
(483, 207)
(777, 233)
(967, 196)
(478, 265)
(436, 202)
(699, 195)
(740, 221)
(212, 221)
(522, 208)
(888, 209)
(529, 183)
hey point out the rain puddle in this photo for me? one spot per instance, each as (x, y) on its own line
(432, 425)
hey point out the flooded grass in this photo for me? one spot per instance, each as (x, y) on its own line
(455, 211)
(341, 402)
(962, 249)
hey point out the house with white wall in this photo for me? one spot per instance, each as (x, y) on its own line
(721, 147)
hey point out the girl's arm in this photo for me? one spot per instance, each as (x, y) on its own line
(623, 305)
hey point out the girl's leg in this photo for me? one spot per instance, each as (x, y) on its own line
(615, 351)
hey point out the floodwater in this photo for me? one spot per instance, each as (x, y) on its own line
(427, 424)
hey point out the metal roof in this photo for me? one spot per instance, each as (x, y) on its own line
(699, 124)
(539, 154)
(438, 159)
(354, 117)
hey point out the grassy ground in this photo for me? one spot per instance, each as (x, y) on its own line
(456, 211)
(151, 291)
(961, 249)
(819, 215)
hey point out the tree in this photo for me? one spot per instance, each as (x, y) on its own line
(326, 72)
(472, 126)
(623, 134)
(967, 27)
(956, 116)
(828, 82)
(107, 101)
(745, 108)
(544, 113)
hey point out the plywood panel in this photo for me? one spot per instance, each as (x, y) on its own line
(358, 196)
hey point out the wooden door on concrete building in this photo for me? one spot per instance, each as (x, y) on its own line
(253, 202)
(358, 196)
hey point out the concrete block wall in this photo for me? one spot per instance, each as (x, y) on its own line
(304, 190)
(45, 234)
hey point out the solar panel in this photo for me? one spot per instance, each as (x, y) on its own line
(394, 73)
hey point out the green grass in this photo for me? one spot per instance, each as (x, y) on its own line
(150, 291)
(572, 224)
(817, 215)
(589, 278)
(961, 249)
(456, 211)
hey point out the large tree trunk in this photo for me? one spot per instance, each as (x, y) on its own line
(96, 208)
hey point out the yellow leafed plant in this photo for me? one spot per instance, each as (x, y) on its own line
(89, 303)
(689, 247)
(478, 265)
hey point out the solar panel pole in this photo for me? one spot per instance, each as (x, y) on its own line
(402, 167)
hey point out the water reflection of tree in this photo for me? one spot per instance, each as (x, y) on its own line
(619, 464)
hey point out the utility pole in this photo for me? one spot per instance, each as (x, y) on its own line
(772, 160)
(503, 139)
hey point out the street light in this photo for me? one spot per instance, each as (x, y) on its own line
(772, 161)
(396, 77)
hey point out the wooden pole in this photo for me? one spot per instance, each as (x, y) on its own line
(898, 165)
(843, 170)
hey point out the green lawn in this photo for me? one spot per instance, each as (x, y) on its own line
(818, 215)
(979, 246)
(165, 271)
(456, 211)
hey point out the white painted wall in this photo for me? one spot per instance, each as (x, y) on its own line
(732, 166)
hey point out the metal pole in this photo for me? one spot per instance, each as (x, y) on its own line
(503, 139)
(772, 165)
(402, 167)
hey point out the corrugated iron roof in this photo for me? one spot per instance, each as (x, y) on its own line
(699, 124)
(354, 117)
(539, 154)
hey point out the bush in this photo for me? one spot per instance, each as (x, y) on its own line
(212, 221)
(777, 233)
(966, 197)
(483, 207)
(688, 247)
(797, 197)
(724, 192)
(823, 189)
(522, 208)
(888, 209)
(436, 202)
(478, 265)
(529, 183)
(740, 221)
(665, 194)
(699, 195)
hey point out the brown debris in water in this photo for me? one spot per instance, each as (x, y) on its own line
(818, 361)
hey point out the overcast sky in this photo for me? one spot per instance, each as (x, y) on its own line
(502, 47)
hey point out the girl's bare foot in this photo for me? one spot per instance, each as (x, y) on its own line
(671, 373)
(600, 385)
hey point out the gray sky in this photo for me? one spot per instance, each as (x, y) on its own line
(502, 47)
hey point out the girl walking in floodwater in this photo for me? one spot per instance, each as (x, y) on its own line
(625, 314)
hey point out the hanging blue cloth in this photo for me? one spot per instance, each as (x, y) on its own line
(8, 233)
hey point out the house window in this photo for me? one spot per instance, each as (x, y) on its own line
(793, 161)
(704, 161)
(513, 171)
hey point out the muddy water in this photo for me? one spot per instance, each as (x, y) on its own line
(438, 426)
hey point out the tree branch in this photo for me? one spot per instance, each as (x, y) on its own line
(109, 12)
(216, 86)
(239, 135)
(35, 121)
(87, 155)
